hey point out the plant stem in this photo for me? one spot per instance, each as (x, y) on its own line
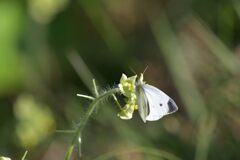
(84, 120)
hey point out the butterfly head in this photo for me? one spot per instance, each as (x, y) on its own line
(140, 80)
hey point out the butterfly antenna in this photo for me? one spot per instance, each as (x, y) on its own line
(132, 70)
(145, 69)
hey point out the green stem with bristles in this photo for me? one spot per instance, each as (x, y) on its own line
(84, 120)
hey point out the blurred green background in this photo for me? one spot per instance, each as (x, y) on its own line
(51, 49)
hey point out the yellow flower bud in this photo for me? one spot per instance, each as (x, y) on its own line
(127, 88)
(127, 85)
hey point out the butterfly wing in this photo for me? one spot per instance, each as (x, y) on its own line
(159, 103)
(142, 103)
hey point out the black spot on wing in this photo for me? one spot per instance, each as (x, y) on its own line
(172, 107)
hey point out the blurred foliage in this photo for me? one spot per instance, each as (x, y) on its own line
(34, 121)
(10, 61)
(5, 158)
(51, 49)
(44, 11)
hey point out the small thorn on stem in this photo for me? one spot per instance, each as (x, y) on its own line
(85, 96)
(95, 87)
(116, 101)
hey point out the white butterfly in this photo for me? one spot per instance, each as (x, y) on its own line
(153, 104)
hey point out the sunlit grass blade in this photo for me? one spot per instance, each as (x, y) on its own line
(81, 68)
(206, 128)
(24, 155)
(106, 28)
(216, 46)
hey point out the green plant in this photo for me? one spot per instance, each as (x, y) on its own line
(126, 87)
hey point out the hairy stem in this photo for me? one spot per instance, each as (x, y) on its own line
(84, 120)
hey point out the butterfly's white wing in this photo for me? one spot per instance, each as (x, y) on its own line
(159, 103)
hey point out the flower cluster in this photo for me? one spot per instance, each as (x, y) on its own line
(127, 88)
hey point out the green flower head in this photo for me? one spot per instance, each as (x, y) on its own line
(127, 88)
(126, 112)
(127, 85)
(132, 100)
